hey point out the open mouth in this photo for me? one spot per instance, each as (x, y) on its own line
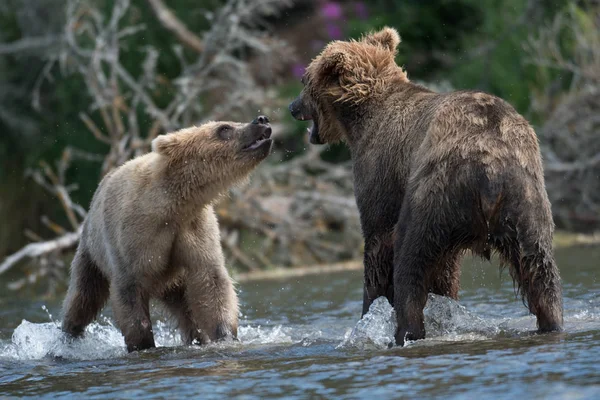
(313, 133)
(263, 139)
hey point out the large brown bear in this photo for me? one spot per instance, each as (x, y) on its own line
(152, 233)
(435, 175)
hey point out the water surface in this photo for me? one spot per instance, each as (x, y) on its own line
(302, 338)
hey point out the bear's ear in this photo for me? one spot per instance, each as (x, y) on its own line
(334, 63)
(387, 38)
(164, 144)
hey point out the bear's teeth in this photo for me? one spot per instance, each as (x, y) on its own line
(257, 143)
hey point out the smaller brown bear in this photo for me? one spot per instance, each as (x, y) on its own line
(435, 175)
(152, 233)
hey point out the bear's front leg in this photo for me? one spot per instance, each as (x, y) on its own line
(176, 303)
(378, 269)
(208, 291)
(212, 301)
(131, 307)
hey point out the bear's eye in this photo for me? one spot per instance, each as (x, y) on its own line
(225, 132)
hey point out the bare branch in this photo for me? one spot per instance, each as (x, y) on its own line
(172, 23)
(93, 128)
(559, 166)
(61, 193)
(43, 76)
(34, 237)
(153, 110)
(33, 250)
(29, 44)
(53, 226)
(569, 137)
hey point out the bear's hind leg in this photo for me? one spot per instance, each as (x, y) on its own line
(524, 240)
(418, 252)
(131, 307)
(446, 281)
(533, 268)
(544, 294)
(87, 294)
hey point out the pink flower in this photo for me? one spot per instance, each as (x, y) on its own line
(331, 10)
(317, 44)
(334, 31)
(298, 70)
(361, 10)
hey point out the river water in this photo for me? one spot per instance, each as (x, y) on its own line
(302, 338)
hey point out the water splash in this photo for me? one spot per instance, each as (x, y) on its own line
(375, 329)
(32, 341)
(445, 319)
(258, 335)
(102, 340)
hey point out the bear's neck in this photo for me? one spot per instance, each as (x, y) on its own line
(382, 116)
(189, 187)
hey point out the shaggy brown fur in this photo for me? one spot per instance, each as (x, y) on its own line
(152, 233)
(435, 175)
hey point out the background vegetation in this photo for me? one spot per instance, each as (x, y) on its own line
(542, 56)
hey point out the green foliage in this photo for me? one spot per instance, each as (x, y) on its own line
(59, 125)
(426, 27)
(474, 44)
(31, 135)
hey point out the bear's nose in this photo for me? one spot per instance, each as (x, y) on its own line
(261, 119)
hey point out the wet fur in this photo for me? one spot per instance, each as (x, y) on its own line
(151, 232)
(435, 175)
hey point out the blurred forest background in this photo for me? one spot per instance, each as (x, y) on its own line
(86, 85)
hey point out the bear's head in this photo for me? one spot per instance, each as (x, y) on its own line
(343, 77)
(217, 151)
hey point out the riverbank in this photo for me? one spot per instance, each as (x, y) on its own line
(561, 239)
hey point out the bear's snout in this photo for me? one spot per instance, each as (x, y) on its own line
(261, 120)
(257, 135)
(298, 110)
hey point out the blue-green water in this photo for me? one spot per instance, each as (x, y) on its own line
(301, 338)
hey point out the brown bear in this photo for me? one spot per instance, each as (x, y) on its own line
(151, 232)
(434, 175)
